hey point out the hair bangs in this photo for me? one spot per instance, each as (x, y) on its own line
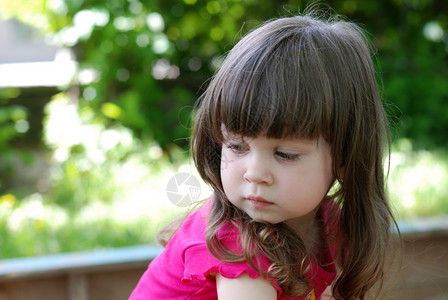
(270, 94)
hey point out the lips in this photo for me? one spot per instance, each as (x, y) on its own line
(259, 202)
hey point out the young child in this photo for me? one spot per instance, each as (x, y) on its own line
(290, 136)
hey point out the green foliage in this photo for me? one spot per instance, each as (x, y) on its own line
(94, 199)
(9, 117)
(89, 159)
(414, 64)
(13, 123)
(150, 58)
(30, 228)
(418, 182)
(12, 118)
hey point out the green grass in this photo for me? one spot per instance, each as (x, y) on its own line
(30, 227)
(39, 238)
(418, 181)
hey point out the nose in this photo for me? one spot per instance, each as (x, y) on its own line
(258, 171)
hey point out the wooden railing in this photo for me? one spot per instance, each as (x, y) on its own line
(112, 273)
(423, 273)
(100, 274)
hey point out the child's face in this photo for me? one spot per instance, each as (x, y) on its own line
(276, 180)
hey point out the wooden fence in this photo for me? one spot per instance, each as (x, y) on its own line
(112, 273)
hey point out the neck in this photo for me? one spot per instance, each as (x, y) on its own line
(306, 227)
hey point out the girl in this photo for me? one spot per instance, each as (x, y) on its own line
(290, 137)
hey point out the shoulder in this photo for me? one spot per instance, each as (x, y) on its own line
(192, 227)
(244, 288)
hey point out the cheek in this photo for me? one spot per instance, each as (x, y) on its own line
(226, 168)
(227, 158)
(231, 173)
(228, 182)
(224, 163)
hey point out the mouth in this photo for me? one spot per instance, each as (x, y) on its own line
(259, 202)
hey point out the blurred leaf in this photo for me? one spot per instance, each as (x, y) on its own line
(111, 110)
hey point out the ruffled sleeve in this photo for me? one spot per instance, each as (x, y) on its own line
(200, 265)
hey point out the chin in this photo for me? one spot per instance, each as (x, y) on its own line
(264, 221)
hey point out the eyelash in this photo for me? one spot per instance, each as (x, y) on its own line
(241, 149)
(237, 148)
(287, 156)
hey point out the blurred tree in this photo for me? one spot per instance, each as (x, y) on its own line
(13, 123)
(143, 63)
(412, 40)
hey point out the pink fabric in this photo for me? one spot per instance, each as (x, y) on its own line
(182, 270)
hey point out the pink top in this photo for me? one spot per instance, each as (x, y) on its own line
(182, 270)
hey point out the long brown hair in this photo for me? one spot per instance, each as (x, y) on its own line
(303, 77)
